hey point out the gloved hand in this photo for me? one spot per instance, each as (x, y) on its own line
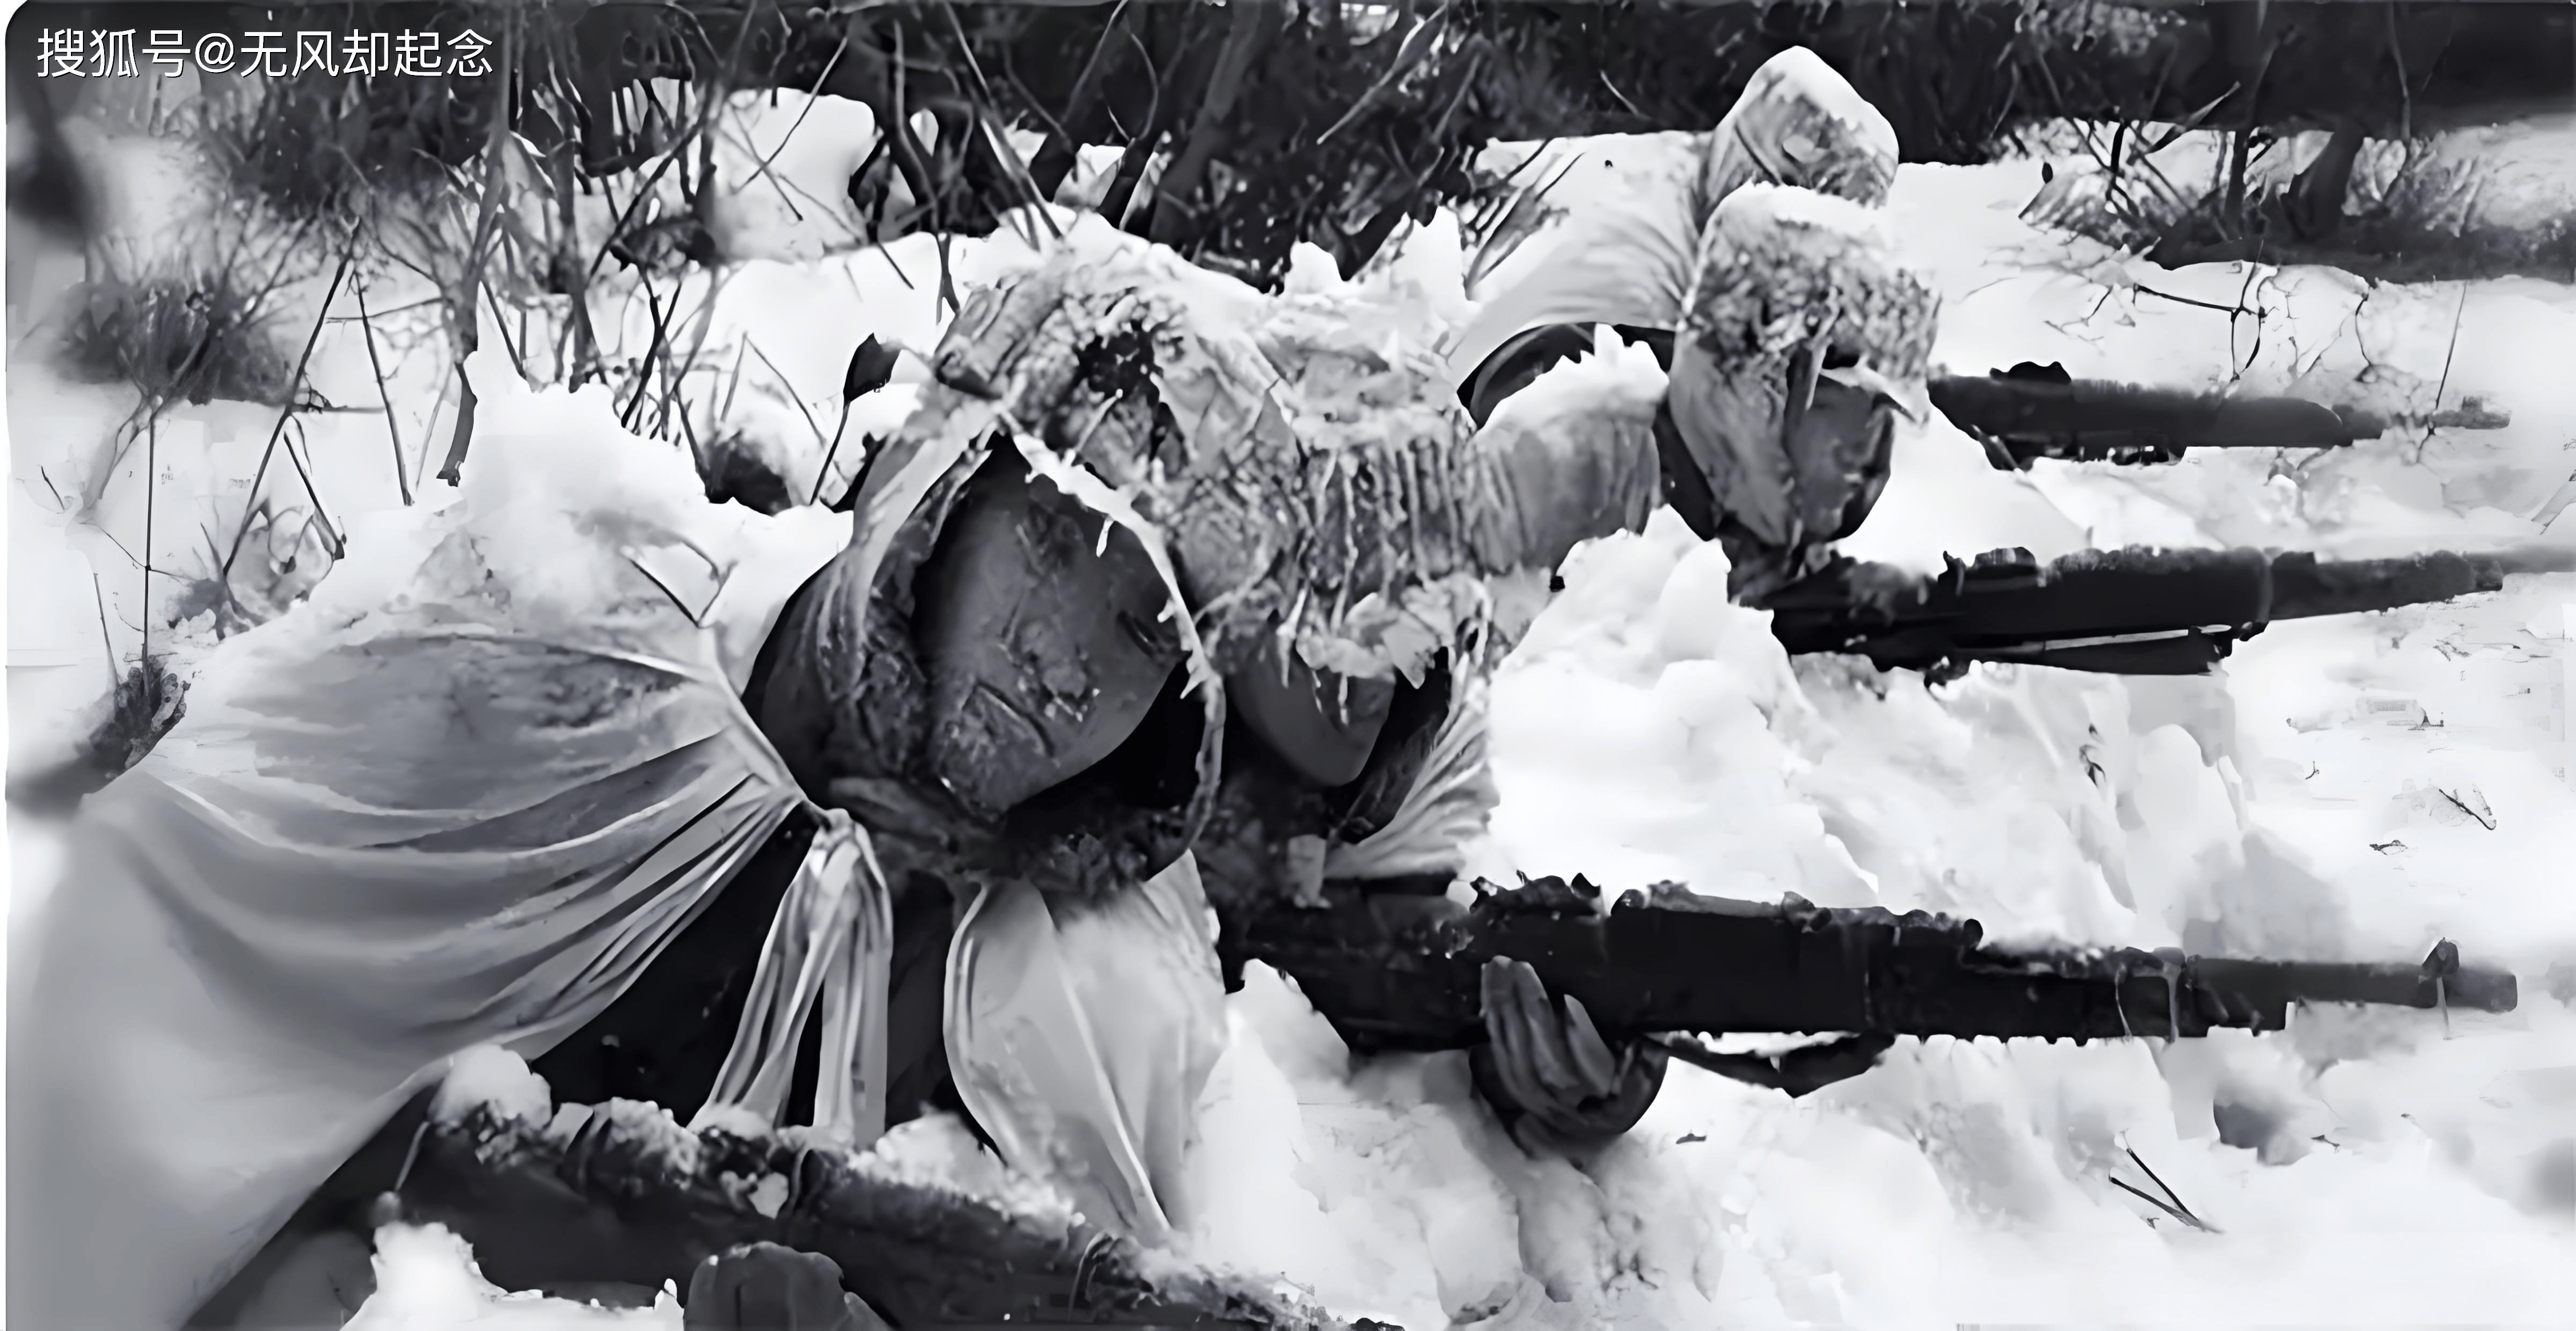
(767, 1287)
(1558, 1085)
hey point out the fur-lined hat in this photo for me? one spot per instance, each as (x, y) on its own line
(1783, 274)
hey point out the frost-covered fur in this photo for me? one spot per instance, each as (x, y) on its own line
(1799, 123)
(1308, 462)
(1783, 270)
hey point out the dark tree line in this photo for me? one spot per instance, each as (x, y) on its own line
(1246, 127)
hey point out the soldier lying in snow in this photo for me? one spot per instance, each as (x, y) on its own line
(1029, 736)
(1026, 731)
(1164, 580)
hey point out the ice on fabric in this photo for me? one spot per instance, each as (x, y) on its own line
(462, 796)
(1328, 491)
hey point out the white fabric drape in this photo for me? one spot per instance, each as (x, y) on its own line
(457, 814)
(465, 798)
(1081, 1036)
(832, 946)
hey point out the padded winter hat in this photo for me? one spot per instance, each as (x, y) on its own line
(1796, 288)
(1799, 123)
(1628, 258)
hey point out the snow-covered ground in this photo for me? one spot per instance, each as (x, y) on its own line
(2350, 789)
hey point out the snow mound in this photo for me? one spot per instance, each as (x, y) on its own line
(938, 1151)
(2347, 790)
(427, 1281)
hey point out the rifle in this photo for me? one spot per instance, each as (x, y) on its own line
(1401, 972)
(2138, 611)
(2034, 411)
(639, 1200)
(2039, 411)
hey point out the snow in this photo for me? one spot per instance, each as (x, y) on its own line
(2356, 789)
(783, 165)
(2378, 1167)
(427, 1281)
(495, 1079)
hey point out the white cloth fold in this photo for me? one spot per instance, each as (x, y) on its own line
(1081, 1036)
(832, 942)
(464, 797)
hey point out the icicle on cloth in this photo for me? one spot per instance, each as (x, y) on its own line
(463, 797)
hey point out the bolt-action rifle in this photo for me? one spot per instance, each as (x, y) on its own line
(2138, 611)
(640, 1200)
(1401, 972)
(2031, 412)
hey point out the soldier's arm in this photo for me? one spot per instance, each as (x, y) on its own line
(1544, 1069)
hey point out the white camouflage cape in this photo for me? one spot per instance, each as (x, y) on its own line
(463, 797)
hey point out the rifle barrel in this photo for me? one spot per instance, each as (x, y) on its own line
(2305, 587)
(2080, 419)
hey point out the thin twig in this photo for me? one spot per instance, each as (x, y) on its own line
(2176, 1212)
(392, 428)
(2444, 384)
(285, 414)
(2175, 1209)
(501, 324)
(824, 476)
(151, 487)
(463, 317)
(105, 642)
(2461, 805)
(420, 467)
(330, 530)
(790, 386)
(838, 50)
(2238, 309)
(652, 353)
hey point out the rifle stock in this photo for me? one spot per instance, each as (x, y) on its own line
(1402, 972)
(645, 1207)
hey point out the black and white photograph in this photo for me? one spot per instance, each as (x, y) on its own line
(1290, 665)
